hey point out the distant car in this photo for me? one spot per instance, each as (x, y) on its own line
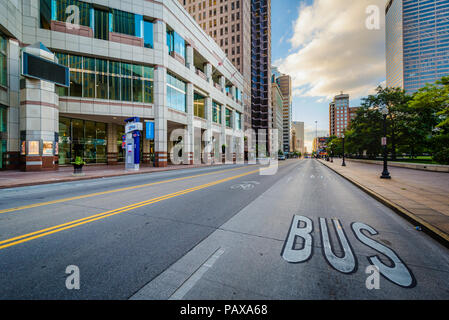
(281, 157)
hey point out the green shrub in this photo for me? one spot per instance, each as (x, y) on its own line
(442, 156)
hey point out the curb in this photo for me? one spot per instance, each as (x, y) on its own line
(429, 229)
(70, 179)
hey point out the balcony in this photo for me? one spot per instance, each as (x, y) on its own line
(201, 74)
(126, 39)
(178, 57)
(65, 27)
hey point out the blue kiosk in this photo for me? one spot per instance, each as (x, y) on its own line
(132, 143)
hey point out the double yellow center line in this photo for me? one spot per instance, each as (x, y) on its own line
(40, 204)
(75, 223)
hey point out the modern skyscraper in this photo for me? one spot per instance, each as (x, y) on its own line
(229, 24)
(298, 141)
(277, 105)
(339, 115)
(285, 84)
(261, 64)
(417, 42)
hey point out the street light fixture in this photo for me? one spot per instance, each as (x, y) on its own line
(344, 163)
(385, 173)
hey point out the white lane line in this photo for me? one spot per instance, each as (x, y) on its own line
(196, 276)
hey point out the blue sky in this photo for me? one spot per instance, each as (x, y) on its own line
(301, 29)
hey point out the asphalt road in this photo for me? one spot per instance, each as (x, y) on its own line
(213, 233)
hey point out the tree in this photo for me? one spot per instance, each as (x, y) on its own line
(365, 131)
(334, 146)
(431, 105)
(396, 100)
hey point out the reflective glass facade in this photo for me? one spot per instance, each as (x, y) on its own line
(176, 93)
(82, 138)
(104, 79)
(417, 42)
(216, 112)
(148, 31)
(63, 13)
(3, 64)
(2, 133)
(228, 114)
(123, 22)
(102, 21)
(199, 106)
(238, 121)
(176, 43)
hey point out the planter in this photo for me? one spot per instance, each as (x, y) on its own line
(78, 169)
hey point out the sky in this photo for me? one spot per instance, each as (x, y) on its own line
(328, 46)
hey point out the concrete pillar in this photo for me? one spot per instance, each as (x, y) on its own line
(208, 72)
(112, 148)
(12, 99)
(39, 125)
(234, 137)
(190, 138)
(208, 136)
(222, 83)
(160, 96)
(160, 118)
(233, 93)
(146, 147)
(160, 36)
(223, 133)
(189, 57)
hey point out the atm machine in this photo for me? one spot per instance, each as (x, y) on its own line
(132, 143)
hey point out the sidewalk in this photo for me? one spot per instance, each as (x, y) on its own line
(420, 196)
(16, 178)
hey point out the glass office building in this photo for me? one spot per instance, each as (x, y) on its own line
(417, 42)
(138, 61)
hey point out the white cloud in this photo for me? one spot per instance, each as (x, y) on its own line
(333, 51)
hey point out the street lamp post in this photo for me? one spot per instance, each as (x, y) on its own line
(385, 173)
(344, 163)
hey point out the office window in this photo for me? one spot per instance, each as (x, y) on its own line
(216, 112)
(64, 60)
(45, 14)
(176, 43)
(199, 105)
(84, 8)
(3, 62)
(228, 113)
(148, 34)
(238, 121)
(103, 79)
(89, 77)
(126, 69)
(76, 76)
(123, 22)
(148, 77)
(176, 93)
(101, 18)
